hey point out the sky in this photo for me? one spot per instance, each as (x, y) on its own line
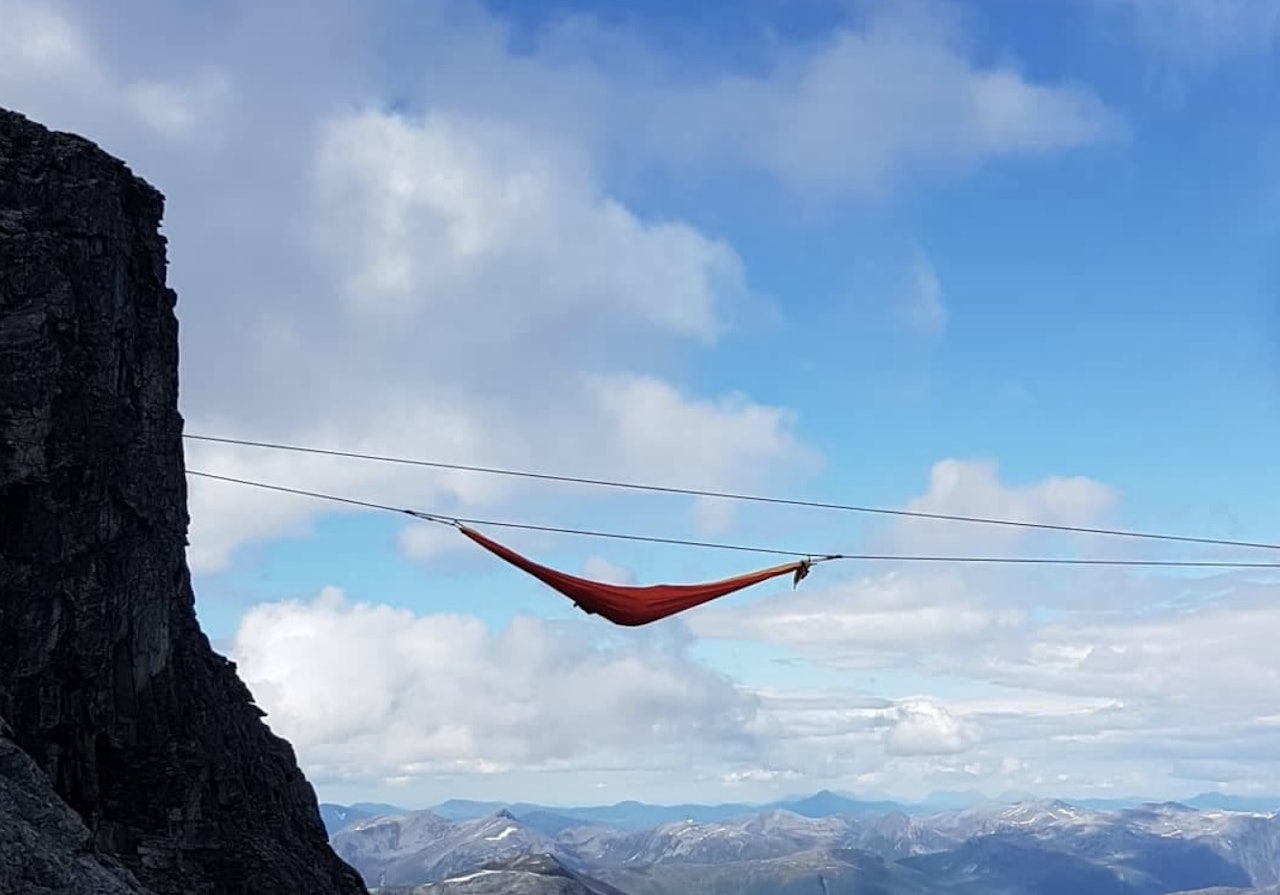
(1001, 259)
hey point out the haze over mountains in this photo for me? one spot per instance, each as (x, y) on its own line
(826, 843)
(634, 814)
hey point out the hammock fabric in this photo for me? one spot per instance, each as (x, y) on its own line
(628, 605)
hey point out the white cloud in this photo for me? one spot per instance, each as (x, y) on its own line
(1179, 647)
(1216, 661)
(924, 727)
(840, 736)
(53, 69)
(860, 107)
(440, 285)
(465, 235)
(875, 615)
(1091, 681)
(1117, 701)
(428, 540)
(1198, 32)
(225, 516)
(598, 568)
(442, 211)
(42, 41)
(446, 693)
(850, 112)
(457, 281)
(961, 487)
(179, 111)
(871, 616)
(923, 307)
(687, 441)
(758, 775)
(714, 515)
(362, 688)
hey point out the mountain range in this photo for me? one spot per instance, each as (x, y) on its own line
(524, 875)
(1025, 848)
(640, 815)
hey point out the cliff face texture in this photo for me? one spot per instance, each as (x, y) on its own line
(44, 846)
(105, 677)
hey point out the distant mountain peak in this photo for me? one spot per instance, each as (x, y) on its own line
(1030, 848)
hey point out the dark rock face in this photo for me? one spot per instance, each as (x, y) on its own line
(105, 676)
(43, 844)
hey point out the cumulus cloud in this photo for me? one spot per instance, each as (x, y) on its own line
(860, 107)
(225, 516)
(464, 236)
(866, 619)
(1083, 704)
(758, 775)
(891, 92)
(842, 735)
(1061, 704)
(1205, 635)
(872, 616)
(54, 68)
(442, 212)
(720, 444)
(42, 41)
(1084, 682)
(924, 727)
(1214, 660)
(366, 688)
(426, 541)
(973, 487)
(445, 285)
(451, 276)
(692, 442)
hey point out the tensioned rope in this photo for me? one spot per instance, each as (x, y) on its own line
(815, 557)
(728, 495)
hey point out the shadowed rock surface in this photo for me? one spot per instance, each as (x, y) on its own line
(105, 677)
(43, 844)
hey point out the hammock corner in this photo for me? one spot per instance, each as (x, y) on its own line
(802, 572)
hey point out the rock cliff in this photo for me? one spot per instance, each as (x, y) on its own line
(45, 849)
(106, 679)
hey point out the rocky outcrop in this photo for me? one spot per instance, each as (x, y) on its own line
(45, 849)
(105, 676)
(539, 874)
(420, 846)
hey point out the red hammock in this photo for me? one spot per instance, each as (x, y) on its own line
(631, 606)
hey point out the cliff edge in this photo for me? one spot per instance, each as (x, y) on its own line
(106, 679)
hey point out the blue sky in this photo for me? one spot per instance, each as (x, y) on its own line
(999, 259)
